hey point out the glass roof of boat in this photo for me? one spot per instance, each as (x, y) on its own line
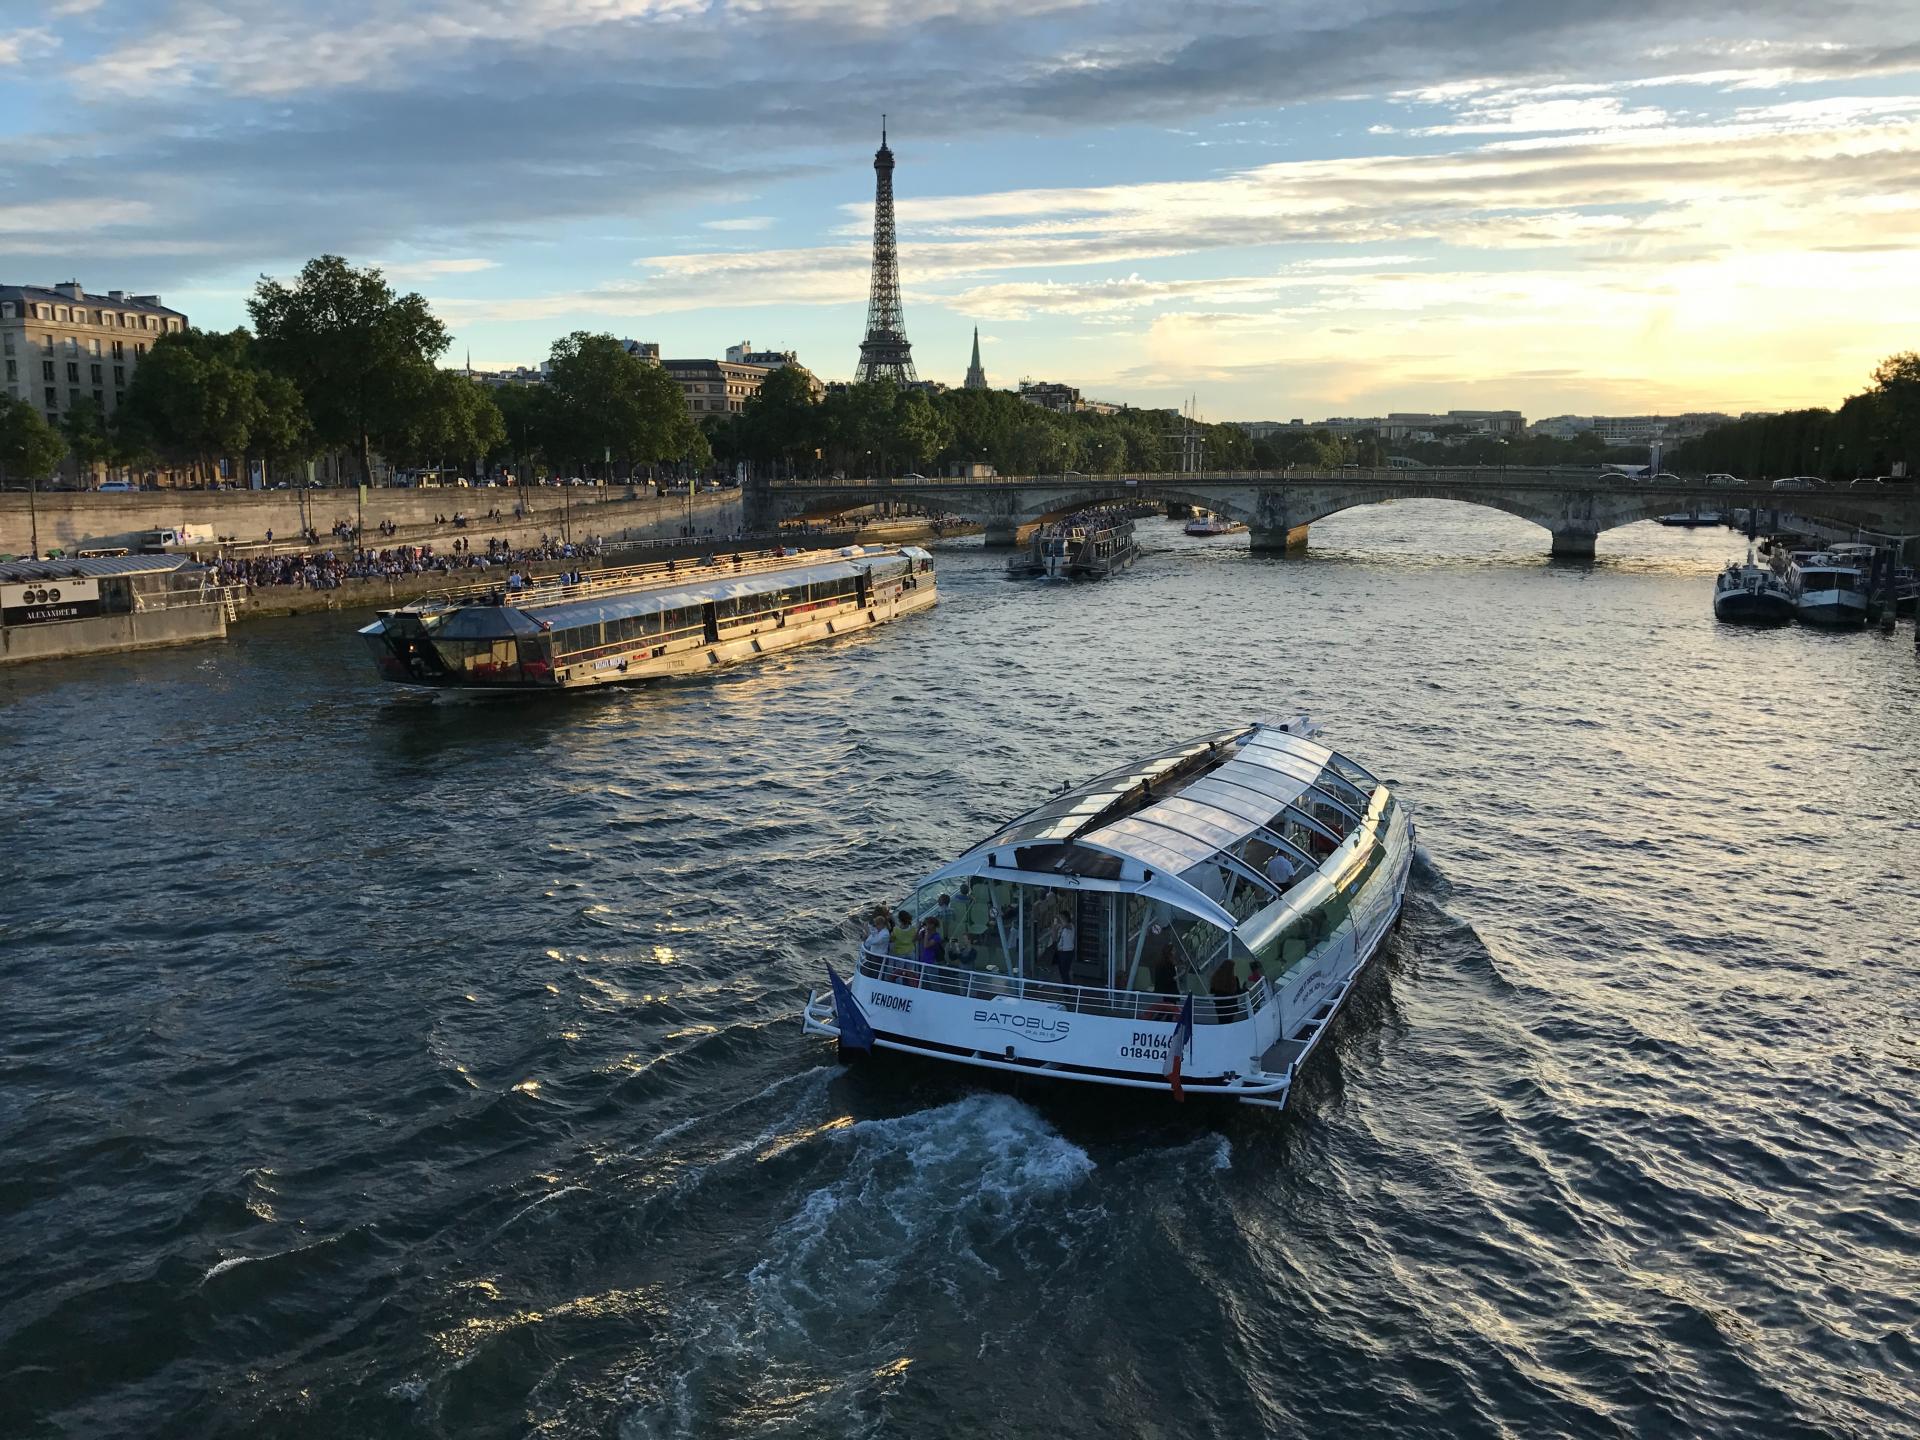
(1265, 771)
(696, 591)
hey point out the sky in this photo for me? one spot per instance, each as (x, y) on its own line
(1279, 209)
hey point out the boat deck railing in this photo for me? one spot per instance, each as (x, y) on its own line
(553, 590)
(1143, 1005)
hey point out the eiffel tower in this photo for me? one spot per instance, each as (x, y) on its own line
(885, 351)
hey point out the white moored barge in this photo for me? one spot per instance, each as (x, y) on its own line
(1225, 893)
(640, 622)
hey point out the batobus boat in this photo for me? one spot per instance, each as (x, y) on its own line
(1198, 917)
(637, 622)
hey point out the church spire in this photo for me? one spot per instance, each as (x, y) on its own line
(976, 377)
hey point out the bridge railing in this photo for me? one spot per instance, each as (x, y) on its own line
(1490, 475)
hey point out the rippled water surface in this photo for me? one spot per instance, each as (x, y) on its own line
(371, 1067)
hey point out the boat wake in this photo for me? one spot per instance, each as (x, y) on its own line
(928, 1212)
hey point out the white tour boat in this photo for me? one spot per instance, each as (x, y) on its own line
(1197, 918)
(639, 622)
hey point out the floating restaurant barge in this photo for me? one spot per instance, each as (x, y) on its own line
(639, 622)
(51, 609)
(1212, 905)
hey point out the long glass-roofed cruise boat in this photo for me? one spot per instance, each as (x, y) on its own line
(1241, 881)
(638, 622)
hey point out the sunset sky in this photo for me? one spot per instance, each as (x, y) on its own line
(1282, 209)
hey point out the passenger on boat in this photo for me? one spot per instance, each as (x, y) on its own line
(960, 951)
(1159, 957)
(1224, 988)
(931, 949)
(1065, 942)
(901, 941)
(1280, 870)
(879, 938)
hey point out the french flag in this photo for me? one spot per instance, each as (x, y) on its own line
(1177, 1045)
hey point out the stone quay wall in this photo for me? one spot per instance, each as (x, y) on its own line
(73, 520)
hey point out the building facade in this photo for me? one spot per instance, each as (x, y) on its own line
(60, 346)
(716, 387)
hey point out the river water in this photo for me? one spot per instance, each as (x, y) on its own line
(382, 1068)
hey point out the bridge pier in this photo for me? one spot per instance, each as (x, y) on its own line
(1573, 544)
(1002, 533)
(1277, 539)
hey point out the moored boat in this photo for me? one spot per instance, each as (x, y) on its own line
(1751, 594)
(1827, 590)
(1199, 916)
(640, 622)
(1088, 546)
(1692, 518)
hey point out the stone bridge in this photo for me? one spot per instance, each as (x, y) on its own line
(1279, 507)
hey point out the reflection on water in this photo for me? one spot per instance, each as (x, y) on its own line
(379, 1067)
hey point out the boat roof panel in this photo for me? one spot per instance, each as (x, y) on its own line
(695, 591)
(97, 567)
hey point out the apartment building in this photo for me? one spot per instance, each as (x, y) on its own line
(60, 345)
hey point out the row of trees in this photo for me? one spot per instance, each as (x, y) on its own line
(878, 428)
(1868, 435)
(337, 361)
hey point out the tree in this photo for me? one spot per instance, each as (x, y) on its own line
(357, 351)
(198, 397)
(450, 417)
(783, 422)
(606, 402)
(85, 429)
(29, 446)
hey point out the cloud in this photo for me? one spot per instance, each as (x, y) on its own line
(739, 222)
(19, 46)
(434, 269)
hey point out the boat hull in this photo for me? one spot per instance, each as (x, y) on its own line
(1831, 609)
(1748, 607)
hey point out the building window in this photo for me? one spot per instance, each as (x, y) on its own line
(6, 311)
(119, 374)
(73, 398)
(100, 398)
(52, 404)
(61, 314)
(73, 344)
(73, 371)
(93, 347)
(8, 340)
(119, 350)
(13, 369)
(119, 398)
(46, 343)
(95, 376)
(138, 349)
(46, 369)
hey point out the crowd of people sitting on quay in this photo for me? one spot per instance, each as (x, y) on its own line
(329, 569)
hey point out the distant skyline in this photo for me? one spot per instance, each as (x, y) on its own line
(1282, 209)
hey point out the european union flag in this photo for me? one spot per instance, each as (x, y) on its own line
(855, 1032)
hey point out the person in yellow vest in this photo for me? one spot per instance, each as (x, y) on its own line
(902, 939)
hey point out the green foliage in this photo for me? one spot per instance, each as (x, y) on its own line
(357, 352)
(199, 395)
(1867, 435)
(84, 427)
(601, 401)
(449, 420)
(29, 446)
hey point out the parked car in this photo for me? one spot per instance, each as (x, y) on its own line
(1796, 482)
(116, 487)
(1721, 479)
